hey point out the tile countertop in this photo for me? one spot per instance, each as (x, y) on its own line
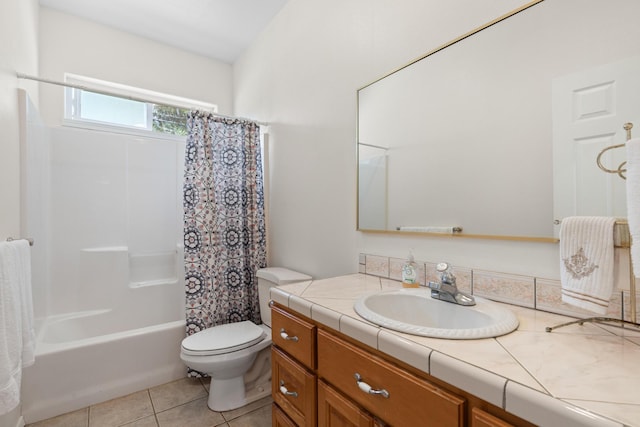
(585, 375)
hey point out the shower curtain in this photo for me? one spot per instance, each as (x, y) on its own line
(224, 224)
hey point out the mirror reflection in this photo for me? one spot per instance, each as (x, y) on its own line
(498, 133)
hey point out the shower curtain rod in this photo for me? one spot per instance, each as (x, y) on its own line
(129, 97)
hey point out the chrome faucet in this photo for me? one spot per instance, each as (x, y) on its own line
(446, 289)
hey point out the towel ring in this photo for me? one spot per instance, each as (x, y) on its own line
(621, 170)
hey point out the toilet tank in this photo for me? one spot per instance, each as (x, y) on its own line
(270, 277)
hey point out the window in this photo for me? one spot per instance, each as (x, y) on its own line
(96, 102)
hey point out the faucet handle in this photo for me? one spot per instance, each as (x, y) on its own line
(441, 267)
(446, 275)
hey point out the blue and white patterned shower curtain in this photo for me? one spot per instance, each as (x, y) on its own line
(224, 224)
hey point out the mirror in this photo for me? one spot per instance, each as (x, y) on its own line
(467, 136)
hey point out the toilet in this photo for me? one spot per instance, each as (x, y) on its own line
(237, 356)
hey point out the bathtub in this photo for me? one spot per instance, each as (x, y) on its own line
(93, 356)
(107, 263)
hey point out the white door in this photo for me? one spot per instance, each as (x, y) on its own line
(590, 108)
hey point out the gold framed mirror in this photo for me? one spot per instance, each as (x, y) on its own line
(464, 135)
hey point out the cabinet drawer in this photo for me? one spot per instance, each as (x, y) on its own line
(411, 400)
(293, 388)
(295, 336)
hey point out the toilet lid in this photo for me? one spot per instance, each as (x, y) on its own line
(223, 339)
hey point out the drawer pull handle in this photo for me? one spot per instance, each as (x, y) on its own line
(368, 389)
(286, 392)
(286, 336)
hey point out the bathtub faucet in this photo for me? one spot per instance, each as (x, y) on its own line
(446, 289)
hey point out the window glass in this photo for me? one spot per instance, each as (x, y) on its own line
(171, 120)
(111, 109)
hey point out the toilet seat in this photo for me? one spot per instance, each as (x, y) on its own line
(223, 339)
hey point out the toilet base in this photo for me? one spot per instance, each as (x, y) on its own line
(230, 394)
(225, 395)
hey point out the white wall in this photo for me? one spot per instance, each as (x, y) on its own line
(75, 45)
(18, 52)
(302, 76)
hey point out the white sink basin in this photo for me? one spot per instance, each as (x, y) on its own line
(413, 311)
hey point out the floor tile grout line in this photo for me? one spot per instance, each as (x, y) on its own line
(244, 414)
(153, 407)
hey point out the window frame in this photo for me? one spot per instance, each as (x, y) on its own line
(73, 108)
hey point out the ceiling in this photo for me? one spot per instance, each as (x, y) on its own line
(219, 29)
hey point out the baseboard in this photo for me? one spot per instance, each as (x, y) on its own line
(20, 422)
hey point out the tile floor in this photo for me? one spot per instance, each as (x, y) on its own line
(176, 404)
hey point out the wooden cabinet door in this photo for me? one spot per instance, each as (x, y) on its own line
(335, 410)
(279, 418)
(293, 388)
(480, 418)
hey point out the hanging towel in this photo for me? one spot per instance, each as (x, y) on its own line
(22, 254)
(633, 200)
(17, 336)
(587, 262)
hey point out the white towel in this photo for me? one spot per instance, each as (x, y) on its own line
(22, 253)
(633, 200)
(587, 262)
(17, 335)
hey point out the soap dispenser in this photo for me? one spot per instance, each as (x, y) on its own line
(410, 273)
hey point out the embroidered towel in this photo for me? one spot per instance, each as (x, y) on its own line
(633, 200)
(587, 262)
(16, 320)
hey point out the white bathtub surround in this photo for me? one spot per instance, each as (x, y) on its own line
(90, 356)
(108, 299)
(17, 338)
(580, 375)
(72, 373)
(587, 262)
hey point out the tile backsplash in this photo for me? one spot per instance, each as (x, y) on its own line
(526, 291)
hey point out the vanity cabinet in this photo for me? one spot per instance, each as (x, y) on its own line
(321, 377)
